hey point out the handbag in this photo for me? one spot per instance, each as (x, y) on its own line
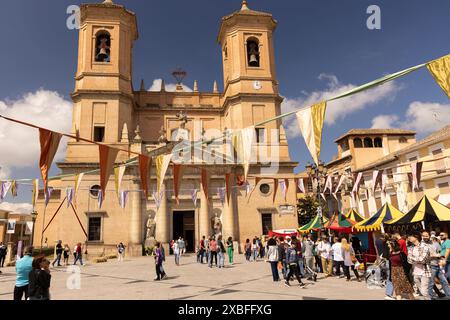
(354, 259)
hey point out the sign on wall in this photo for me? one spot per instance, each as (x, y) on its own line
(11, 228)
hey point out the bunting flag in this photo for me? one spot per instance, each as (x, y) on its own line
(410, 180)
(144, 172)
(162, 163)
(242, 142)
(118, 177)
(47, 195)
(416, 170)
(123, 198)
(323, 196)
(275, 189)
(257, 181)
(157, 199)
(49, 141)
(5, 188)
(69, 196)
(339, 185)
(283, 188)
(301, 185)
(177, 172)
(328, 184)
(376, 179)
(384, 182)
(358, 180)
(222, 192)
(35, 193)
(440, 70)
(78, 179)
(14, 187)
(227, 185)
(205, 183)
(248, 189)
(100, 198)
(311, 121)
(194, 196)
(107, 159)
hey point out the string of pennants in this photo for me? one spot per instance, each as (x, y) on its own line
(310, 119)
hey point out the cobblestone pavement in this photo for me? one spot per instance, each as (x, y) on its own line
(133, 279)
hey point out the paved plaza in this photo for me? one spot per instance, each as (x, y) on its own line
(133, 280)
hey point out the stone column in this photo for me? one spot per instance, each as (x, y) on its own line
(228, 214)
(204, 221)
(162, 233)
(135, 237)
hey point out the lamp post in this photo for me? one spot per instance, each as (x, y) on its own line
(317, 172)
(33, 217)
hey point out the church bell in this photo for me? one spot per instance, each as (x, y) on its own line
(102, 55)
(253, 59)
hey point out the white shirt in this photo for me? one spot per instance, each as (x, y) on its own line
(324, 249)
(337, 252)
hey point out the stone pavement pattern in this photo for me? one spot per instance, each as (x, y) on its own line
(133, 279)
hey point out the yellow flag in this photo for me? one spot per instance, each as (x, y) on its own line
(311, 122)
(162, 163)
(440, 69)
(35, 192)
(118, 176)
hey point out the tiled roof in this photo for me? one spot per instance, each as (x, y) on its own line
(376, 131)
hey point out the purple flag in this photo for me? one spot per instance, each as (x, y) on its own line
(301, 185)
(222, 192)
(48, 194)
(100, 198)
(123, 199)
(157, 199)
(283, 188)
(69, 195)
(194, 197)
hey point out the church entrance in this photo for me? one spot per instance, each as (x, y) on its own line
(184, 226)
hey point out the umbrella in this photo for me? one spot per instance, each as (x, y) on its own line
(426, 209)
(375, 222)
(340, 223)
(354, 215)
(315, 224)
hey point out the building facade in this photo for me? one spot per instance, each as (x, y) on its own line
(107, 109)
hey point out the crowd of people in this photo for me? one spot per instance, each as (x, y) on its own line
(214, 249)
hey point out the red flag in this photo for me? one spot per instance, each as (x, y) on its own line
(205, 182)
(240, 179)
(144, 171)
(275, 188)
(49, 145)
(107, 159)
(227, 185)
(176, 180)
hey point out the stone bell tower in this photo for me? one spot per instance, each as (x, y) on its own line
(250, 83)
(103, 95)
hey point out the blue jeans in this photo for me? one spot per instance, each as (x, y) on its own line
(301, 267)
(274, 267)
(255, 255)
(177, 258)
(436, 273)
(389, 285)
(221, 256)
(78, 257)
(447, 269)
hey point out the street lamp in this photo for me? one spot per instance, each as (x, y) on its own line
(317, 172)
(33, 217)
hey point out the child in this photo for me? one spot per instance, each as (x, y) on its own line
(292, 263)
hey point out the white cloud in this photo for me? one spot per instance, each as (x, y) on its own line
(338, 109)
(16, 207)
(423, 117)
(170, 87)
(19, 145)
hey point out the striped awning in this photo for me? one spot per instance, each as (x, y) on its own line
(354, 215)
(340, 223)
(375, 222)
(315, 224)
(425, 207)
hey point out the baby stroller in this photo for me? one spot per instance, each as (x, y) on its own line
(307, 271)
(376, 274)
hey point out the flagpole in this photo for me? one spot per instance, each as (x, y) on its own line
(43, 225)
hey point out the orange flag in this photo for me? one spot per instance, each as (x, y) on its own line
(176, 180)
(275, 189)
(227, 185)
(205, 182)
(49, 145)
(144, 171)
(107, 159)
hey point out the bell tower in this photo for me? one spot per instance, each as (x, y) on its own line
(250, 84)
(103, 95)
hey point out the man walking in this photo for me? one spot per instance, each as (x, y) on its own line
(59, 251)
(308, 254)
(324, 250)
(419, 257)
(338, 259)
(23, 269)
(78, 254)
(3, 252)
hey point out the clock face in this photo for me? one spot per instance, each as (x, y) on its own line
(257, 85)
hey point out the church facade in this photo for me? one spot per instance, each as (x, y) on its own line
(107, 109)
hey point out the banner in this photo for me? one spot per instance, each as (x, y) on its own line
(107, 159)
(162, 163)
(118, 177)
(11, 228)
(338, 187)
(440, 70)
(242, 142)
(29, 228)
(14, 188)
(416, 170)
(222, 192)
(123, 198)
(47, 195)
(227, 185)
(275, 189)
(248, 189)
(311, 121)
(194, 197)
(384, 182)
(100, 199)
(376, 179)
(69, 195)
(284, 187)
(205, 182)
(358, 179)
(35, 192)
(5, 188)
(301, 185)
(177, 172)
(49, 141)
(145, 164)
(328, 184)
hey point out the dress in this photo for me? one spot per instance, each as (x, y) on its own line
(402, 286)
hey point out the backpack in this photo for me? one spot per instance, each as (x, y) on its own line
(213, 246)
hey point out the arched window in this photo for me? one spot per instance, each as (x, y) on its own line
(402, 140)
(368, 143)
(357, 143)
(103, 47)
(253, 56)
(378, 143)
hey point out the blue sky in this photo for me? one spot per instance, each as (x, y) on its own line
(314, 37)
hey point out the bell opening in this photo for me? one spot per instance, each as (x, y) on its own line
(103, 48)
(253, 53)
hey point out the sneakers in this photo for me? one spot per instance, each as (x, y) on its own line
(287, 284)
(301, 284)
(156, 279)
(389, 298)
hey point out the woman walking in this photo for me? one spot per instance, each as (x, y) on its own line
(399, 269)
(248, 249)
(66, 253)
(40, 278)
(255, 249)
(78, 254)
(176, 252)
(230, 250)
(349, 259)
(158, 262)
(273, 257)
(120, 251)
(221, 252)
(292, 263)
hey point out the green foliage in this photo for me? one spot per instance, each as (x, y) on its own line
(307, 209)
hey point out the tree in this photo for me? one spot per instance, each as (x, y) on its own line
(307, 209)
